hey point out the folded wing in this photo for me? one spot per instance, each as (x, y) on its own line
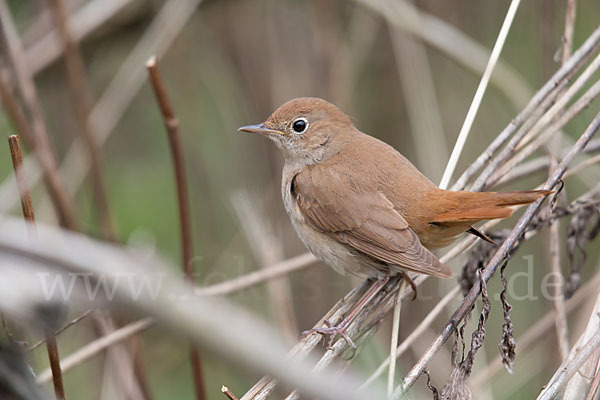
(365, 220)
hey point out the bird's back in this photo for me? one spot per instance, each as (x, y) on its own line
(373, 165)
(437, 216)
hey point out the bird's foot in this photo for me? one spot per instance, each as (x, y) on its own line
(412, 284)
(332, 332)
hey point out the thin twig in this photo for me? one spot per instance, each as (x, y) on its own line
(267, 250)
(424, 116)
(567, 70)
(17, 159)
(587, 344)
(266, 273)
(172, 127)
(228, 393)
(84, 21)
(14, 110)
(98, 345)
(527, 145)
(9, 336)
(120, 361)
(43, 149)
(61, 330)
(570, 14)
(394, 340)
(496, 260)
(541, 163)
(220, 289)
(449, 40)
(82, 97)
(263, 388)
(527, 132)
(127, 82)
(558, 297)
(468, 123)
(415, 334)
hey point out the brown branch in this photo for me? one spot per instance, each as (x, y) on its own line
(82, 97)
(17, 159)
(228, 393)
(39, 134)
(14, 110)
(172, 127)
(496, 260)
(128, 80)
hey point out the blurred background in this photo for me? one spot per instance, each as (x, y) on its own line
(231, 63)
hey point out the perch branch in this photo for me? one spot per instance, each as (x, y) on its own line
(415, 334)
(496, 260)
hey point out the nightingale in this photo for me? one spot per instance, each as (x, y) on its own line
(363, 208)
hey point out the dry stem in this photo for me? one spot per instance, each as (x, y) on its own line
(532, 335)
(17, 159)
(567, 70)
(267, 250)
(172, 127)
(585, 347)
(228, 393)
(466, 128)
(99, 345)
(39, 134)
(497, 260)
(76, 75)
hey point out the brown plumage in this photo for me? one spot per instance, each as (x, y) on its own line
(361, 206)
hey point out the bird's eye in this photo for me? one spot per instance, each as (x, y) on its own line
(300, 125)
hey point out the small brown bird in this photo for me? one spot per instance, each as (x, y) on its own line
(362, 207)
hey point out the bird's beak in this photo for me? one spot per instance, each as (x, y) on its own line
(261, 129)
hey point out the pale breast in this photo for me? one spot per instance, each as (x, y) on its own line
(343, 259)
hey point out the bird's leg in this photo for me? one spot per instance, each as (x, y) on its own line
(342, 328)
(412, 284)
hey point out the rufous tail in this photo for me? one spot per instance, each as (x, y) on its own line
(470, 207)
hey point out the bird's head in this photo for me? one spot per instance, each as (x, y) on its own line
(306, 130)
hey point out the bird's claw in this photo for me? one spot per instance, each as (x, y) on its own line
(332, 332)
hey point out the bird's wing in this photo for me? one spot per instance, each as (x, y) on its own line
(364, 220)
